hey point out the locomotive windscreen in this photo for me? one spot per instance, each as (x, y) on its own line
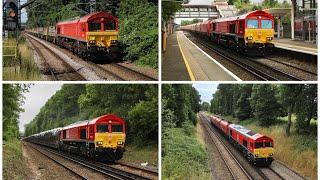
(109, 25)
(116, 128)
(94, 26)
(102, 128)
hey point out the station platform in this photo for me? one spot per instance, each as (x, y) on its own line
(173, 67)
(298, 46)
(198, 64)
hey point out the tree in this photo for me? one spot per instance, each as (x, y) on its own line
(13, 99)
(264, 104)
(181, 102)
(289, 94)
(205, 106)
(243, 109)
(306, 107)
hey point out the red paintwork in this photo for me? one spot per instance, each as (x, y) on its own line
(224, 126)
(73, 131)
(221, 25)
(238, 136)
(74, 29)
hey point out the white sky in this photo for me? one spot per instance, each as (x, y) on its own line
(206, 91)
(34, 99)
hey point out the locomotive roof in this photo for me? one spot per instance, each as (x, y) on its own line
(88, 17)
(94, 121)
(244, 16)
(247, 132)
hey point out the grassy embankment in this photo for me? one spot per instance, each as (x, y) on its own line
(13, 163)
(21, 68)
(138, 154)
(298, 151)
(184, 156)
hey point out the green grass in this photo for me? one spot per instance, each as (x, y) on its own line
(13, 163)
(183, 156)
(298, 151)
(22, 68)
(138, 154)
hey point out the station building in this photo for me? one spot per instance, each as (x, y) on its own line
(305, 16)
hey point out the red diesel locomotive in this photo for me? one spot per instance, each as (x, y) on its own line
(95, 33)
(253, 30)
(257, 148)
(103, 137)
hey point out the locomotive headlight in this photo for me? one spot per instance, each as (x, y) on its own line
(270, 154)
(256, 155)
(120, 142)
(113, 41)
(249, 38)
(99, 142)
(269, 38)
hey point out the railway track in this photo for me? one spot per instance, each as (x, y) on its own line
(123, 73)
(277, 170)
(144, 170)
(59, 163)
(257, 69)
(112, 71)
(292, 66)
(101, 168)
(235, 168)
(61, 71)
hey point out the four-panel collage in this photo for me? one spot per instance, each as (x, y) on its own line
(159, 89)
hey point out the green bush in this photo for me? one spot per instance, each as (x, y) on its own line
(138, 31)
(183, 155)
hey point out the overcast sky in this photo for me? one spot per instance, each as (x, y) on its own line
(206, 91)
(34, 99)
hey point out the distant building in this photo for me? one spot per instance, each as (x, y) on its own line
(305, 20)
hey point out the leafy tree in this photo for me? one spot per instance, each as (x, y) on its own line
(243, 109)
(289, 94)
(306, 107)
(205, 106)
(181, 102)
(138, 30)
(169, 8)
(264, 104)
(12, 102)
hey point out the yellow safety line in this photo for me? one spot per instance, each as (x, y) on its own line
(185, 61)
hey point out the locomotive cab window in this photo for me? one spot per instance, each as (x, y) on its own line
(258, 145)
(267, 144)
(252, 23)
(116, 128)
(109, 25)
(95, 26)
(102, 128)
(266, 24)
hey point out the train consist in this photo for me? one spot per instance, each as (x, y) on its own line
(251, 31)
(95, 33)
(103, 137)
(257, 148)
